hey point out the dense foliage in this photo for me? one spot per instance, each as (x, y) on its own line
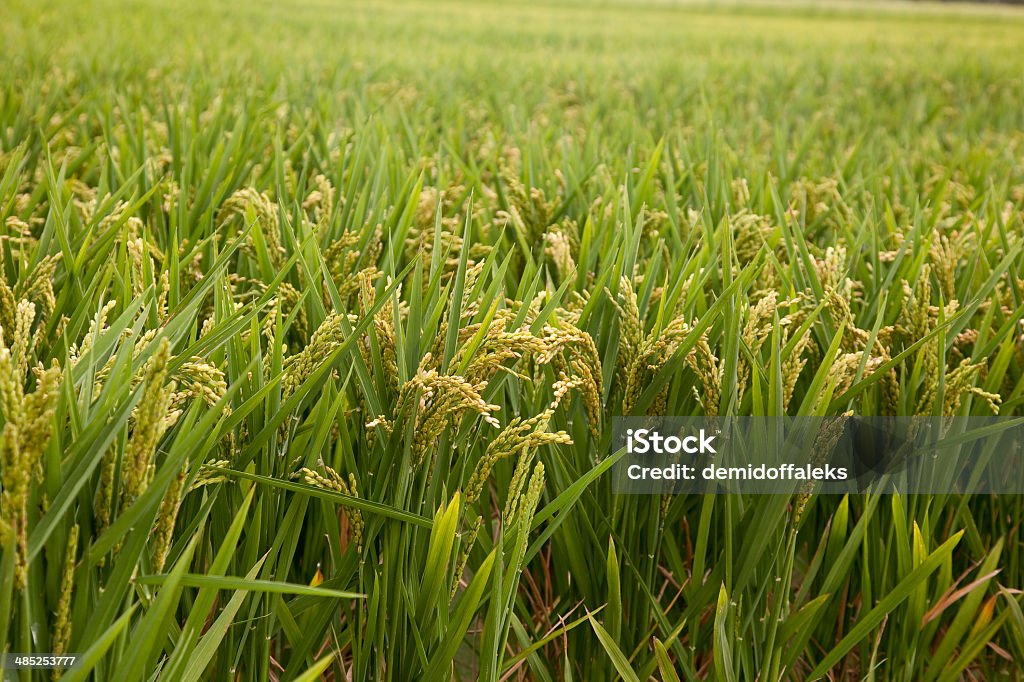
(315, 318)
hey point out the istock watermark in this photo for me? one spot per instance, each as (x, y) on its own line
(824, 455)
(642, 441)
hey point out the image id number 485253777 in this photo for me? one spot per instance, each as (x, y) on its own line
(20, 661)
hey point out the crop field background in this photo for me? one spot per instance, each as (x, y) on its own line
(316, 315)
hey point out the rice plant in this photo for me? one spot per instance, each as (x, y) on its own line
(316, 317)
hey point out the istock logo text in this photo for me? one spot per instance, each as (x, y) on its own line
(643, 441)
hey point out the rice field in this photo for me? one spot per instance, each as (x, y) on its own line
(316, 316)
